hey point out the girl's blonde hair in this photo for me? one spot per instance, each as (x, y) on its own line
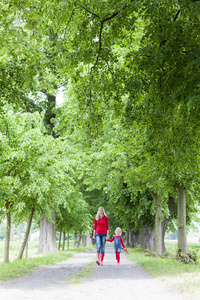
(118, 231)
(98, 217)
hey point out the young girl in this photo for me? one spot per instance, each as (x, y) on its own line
(101, 232)
(118, 240)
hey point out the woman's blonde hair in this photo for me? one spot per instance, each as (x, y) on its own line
(98, 217)
(118, 231)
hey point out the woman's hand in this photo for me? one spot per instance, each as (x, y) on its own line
(93, 238)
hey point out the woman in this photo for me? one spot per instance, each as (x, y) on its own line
(101, 233)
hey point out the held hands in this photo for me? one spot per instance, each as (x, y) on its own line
(126, 250)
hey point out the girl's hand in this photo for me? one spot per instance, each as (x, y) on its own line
(93, 238)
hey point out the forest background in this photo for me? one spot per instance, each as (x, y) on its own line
(127, 135)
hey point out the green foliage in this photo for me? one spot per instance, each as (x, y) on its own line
(130, 122)
(195, 255)
(29, 167)
(37, 171)
(192, 257)
(75, 217)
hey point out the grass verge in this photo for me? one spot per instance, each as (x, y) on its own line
(18, 267)
(184, 278)
(79, 276)
(92, 263)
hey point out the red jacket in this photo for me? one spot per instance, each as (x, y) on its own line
(101, 226)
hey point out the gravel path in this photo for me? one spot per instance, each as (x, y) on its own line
(127, 281)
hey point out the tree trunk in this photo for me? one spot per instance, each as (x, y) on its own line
(60, 236)
(12, 232)
(63, 246)
(68, 241)
(77, 239)
(182, 234)
(158, 228)
(21, 252)
(50, 114)
(164, 228)
(145, 238)
(89, 241)
(166, 221)
(8, 230)
(127, 238)
(47, 239)
(26, 249)
(83, 241)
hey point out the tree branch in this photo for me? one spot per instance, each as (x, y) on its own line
(152, 194)
(100, 43)
(22, 7)
(63, 84)
(112, 16)
(90, 12)
(177, 14)
(69, 20)
(33, 106)
(101, 27)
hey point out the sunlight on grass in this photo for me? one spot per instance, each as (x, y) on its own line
(92, 263)
(15, 247)
(16, 267)
(79, 276)
(185, 278)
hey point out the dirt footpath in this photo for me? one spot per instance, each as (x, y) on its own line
(127, 281)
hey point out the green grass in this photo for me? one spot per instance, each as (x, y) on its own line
(16, 267)
(185, 278)
(15, 247)
(79, 276)
(32, 249)
(92, 263)
(172, 246)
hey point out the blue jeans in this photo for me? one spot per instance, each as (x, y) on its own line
(117, 242)
(101, 242)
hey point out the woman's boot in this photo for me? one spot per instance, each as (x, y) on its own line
(102, 257)
(98, 259)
